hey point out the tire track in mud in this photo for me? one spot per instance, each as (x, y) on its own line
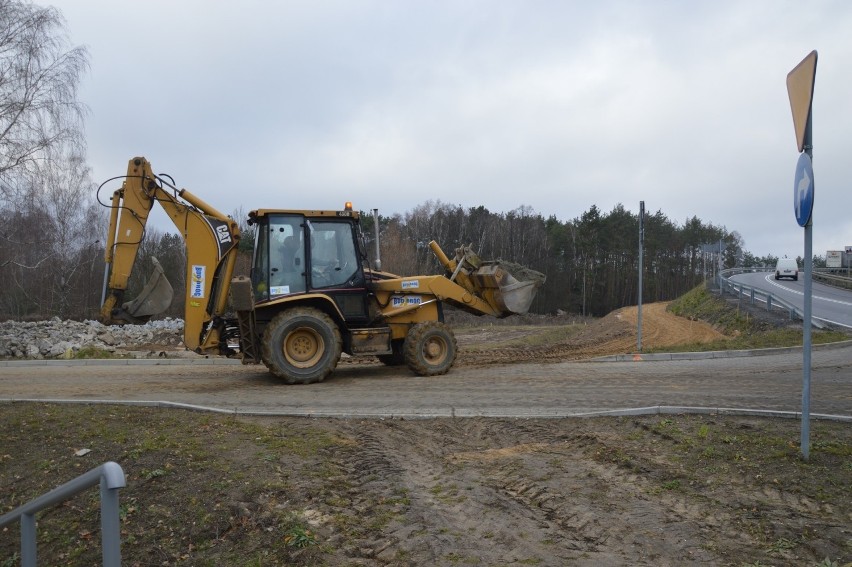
(442, 521)
(497, 492)
(725, 518)
(520, 491)
(590, 512)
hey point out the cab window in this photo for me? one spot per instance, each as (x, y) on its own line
(334, 261)
(279, 264)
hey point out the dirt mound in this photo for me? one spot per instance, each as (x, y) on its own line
(661, 329)
(613, 334)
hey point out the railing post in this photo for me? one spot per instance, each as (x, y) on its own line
(111, 478)
(752, 296)
(769, 302)
(110, 522)
(28, 540)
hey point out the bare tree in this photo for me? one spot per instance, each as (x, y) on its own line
(49, 221)
(39, 78)
(64, 193)
(51, 235)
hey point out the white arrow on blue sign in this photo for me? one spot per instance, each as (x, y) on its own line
(803, 190)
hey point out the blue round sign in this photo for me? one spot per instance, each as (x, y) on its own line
(803, 190)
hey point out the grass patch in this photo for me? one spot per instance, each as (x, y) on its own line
(197, 485)
(89, 352)
(743, 330)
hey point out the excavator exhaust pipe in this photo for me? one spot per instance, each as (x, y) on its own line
(155, 297)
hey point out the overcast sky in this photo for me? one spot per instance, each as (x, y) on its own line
(503, 103)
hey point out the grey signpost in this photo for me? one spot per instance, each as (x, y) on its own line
(641, 245)
(800, 89)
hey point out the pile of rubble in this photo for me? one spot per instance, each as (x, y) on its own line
(59, 338)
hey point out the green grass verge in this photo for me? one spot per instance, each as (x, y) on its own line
(743, 330)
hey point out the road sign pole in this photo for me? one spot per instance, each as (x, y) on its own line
(806, 322)
(800, 89)
(806, 342)
(641, 243)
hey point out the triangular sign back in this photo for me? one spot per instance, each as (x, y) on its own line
(800, 89)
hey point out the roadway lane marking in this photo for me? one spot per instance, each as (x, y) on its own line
(770, 279)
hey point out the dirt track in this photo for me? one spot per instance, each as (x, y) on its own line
(496, 492)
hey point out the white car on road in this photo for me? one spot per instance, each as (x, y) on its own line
(786, 268)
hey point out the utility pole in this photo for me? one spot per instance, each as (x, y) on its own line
(641, 245)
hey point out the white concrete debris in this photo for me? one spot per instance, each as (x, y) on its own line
(57, 338)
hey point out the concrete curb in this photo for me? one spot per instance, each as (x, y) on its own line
(451, 412)
(658, 356)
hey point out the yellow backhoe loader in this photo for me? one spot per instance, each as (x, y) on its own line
(311, 294)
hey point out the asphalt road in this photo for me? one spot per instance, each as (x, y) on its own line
(767, 383)
(829, 304)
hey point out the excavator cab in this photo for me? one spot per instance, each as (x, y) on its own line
(309, 252)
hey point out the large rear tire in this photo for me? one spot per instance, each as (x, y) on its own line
(301, 345)
(430, 349)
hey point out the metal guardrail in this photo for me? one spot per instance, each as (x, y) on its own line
(753, 294)
(111, 478)
(831, 277)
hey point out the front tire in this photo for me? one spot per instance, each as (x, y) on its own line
(430, 349)
(301, 345)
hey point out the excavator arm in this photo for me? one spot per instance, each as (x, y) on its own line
(211, 250)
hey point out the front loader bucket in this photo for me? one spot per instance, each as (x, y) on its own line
(503, 291)
(155, 297)
(517, 298)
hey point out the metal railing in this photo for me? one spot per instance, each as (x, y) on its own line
(111, 478)
(831, 276)
(753, 294)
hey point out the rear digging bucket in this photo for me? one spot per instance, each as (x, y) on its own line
(155, 297)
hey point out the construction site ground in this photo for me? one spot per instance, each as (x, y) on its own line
(204, 488)
(614, 334)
